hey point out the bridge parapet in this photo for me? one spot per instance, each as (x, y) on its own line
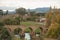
(12, 27)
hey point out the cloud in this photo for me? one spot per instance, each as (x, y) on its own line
(29, 3)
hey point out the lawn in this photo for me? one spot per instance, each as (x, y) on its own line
(30, 23)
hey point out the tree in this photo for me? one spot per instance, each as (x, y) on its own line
(6, 12)
(40, 14)
(17, 20)
(21, 12)
(32, 13)
(1, 12)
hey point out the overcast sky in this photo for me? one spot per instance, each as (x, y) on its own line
(30, 3)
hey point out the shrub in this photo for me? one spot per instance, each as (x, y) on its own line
(17, 30)
(5, 34)
(53, 31)
(8, 21)
(15, 21)
(37, 31)
(1, 24)
(27, 30)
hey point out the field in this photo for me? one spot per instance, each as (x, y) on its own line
(30, 23)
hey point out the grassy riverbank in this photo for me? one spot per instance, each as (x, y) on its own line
(30, 23)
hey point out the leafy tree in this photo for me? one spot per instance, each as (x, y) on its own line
(1, 12)
(17, 20)
(32, 13)
(40, 14)
(21, 12)
(6, 12)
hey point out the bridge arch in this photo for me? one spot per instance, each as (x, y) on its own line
(9, 29)
(17, 30)
(41, 28)
(37, 30)
(28, 30)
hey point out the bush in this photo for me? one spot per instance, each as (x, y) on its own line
(17, 30)
(1, 24)
(15, 21)
(37, 31)
(5, 34)
(8, 21)
(32, 18)
(27, 30)
(53, 31)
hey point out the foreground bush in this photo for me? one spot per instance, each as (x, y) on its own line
(53, 31)
(1, 24)
(4, 33)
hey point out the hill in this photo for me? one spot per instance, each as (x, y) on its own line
(41, 10)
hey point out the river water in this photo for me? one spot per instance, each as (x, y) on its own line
(27, 36)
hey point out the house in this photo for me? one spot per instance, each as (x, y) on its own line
(42, 19)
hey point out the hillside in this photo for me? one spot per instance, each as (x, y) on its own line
(41, 10)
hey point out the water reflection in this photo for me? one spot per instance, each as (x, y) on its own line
(17, 36)
(27, 36)
(37, 35)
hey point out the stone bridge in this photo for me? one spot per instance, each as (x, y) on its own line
(12, 27)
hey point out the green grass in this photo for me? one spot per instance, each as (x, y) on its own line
(15, 38)
(30, 23)
(27, 30)
(37, 30)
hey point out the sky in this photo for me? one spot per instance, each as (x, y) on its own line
(30, 4)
